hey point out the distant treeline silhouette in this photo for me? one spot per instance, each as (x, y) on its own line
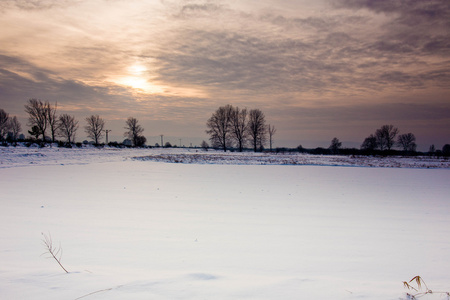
(235, 129)
(229, 128)
(42, 119)
(232, 127)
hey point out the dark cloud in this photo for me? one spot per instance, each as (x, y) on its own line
(195, 9)
(233, 61)
(217, 58)
(290, 23)
(21, 80)
(188, 9)
(36, 4)
(318, 54)
(408, 9)
(422, 27)
(439, 45)
(327, 62)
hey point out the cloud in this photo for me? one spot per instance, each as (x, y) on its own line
(408, 10)
(271, 53)
(18, 84)
(109, 100)
(201, 54)
(226, 59)
(330, 61)
(416, 26)
(210, 46)
(36, 4)
(199, 9)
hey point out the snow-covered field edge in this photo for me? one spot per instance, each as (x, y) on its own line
(52, 155)
(133, 228)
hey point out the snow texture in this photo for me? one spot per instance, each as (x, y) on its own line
(229, 226)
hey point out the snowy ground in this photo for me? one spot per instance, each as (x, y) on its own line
(144, 229)
(23, 156)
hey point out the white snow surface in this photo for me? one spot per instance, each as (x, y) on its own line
(52, 155)
(220, 226)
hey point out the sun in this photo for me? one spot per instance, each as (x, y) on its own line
(136, 77)
(137, 69)
(135, 82)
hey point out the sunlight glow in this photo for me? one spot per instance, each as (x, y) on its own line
(139, 83)
(137, 69)
(137, 78)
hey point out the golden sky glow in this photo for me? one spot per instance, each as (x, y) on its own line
(317, 69)
(136, 78)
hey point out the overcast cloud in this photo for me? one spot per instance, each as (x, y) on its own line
(317, 70)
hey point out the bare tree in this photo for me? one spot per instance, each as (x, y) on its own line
(407, 141)
(370, 143)
(219, 127)
(446, 150)
(37, 115)
(140, 141)
(386, 136)
(262, 140)
(15, 128)
(271, 131)
(4, 124)
(257, 128)
(94, 128)
(67, 127)
(52, 119)
(35, 132)
(432, 150)
(134, 131)
(335, 145)
(204, 145)
(239, 127)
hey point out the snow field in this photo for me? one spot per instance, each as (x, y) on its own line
(151, 230)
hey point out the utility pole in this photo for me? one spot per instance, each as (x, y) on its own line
(180, 143)
(107, 131)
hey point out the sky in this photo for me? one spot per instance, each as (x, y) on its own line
(317, 69)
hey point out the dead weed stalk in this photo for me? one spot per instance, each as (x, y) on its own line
(419, 282)
(55, 252)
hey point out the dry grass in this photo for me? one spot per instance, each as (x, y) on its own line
(55, 253)
(419, 283)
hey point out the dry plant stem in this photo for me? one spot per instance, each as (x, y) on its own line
(105, 290)
(419, 282)
(56, 253)
(100, 291)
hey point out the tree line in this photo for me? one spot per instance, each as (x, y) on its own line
(381, 142)
(228, 127)
(388, 136)
(383, 139)
(231, 126)
(42, 119)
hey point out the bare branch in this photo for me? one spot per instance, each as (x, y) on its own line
(54, 252)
